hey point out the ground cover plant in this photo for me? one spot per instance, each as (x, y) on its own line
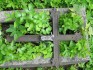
(29, 22)
(24, 51)
(74, 49)
(70, 22)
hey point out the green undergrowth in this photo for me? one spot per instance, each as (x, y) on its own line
(24, 51)
(74, 49)
(29, 22)
(12, 4)
(70, 22)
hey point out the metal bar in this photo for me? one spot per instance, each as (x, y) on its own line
(55, 41)
(67, 61)
(56, 53)
(34, 63)
(32, 38)
(40, 65)
(75, 37)
(27, 66)
(26, 38)
(66, 37)
(55, 23)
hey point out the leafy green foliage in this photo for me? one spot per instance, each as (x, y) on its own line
(11, 4)
(16, 32)
(29, 22)
(73, 67)
(70, 22)
(72, 49)
(29, 50)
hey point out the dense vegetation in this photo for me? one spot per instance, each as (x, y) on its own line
(70, 22)
(29, 22)
(72, 49)
(39, 23)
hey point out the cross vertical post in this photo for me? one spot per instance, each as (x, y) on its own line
(55, 41)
